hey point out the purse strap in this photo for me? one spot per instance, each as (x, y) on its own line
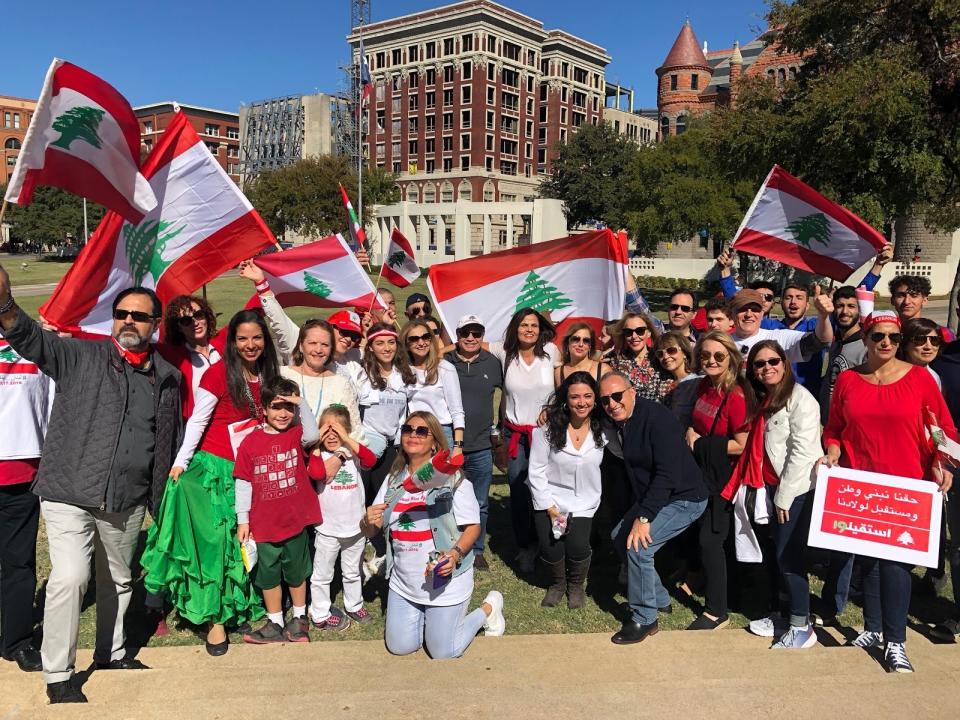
(716, 418)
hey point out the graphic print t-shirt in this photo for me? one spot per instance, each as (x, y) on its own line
(342, 500)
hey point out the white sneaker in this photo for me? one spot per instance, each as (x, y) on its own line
(768, 627)
(495, 624)
(797, 638)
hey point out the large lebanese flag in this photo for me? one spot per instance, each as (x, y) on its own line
(202, 227)
(84, 138)
(791, 222)
(581, 277)
(400, 264)
(324, 274)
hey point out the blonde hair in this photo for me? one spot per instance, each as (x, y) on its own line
(340, 412)
(439, 438)
(731, 376)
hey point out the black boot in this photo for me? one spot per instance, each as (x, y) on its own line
(553, 574)
(65, 692)
(576, 578)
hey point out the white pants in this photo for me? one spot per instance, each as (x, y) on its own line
(350, 550)
(74, 535)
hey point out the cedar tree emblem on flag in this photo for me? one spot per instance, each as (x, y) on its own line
(78, 123)
(396, 260)
(315, 285)
(145, 244)
(405, 522)
(811, 227)
(7, 355)
(540, 295)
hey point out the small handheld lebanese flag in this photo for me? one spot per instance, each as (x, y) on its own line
(324, 273)
(85, 139)
(791, 222)
(581, 277)
(356, 229)
(202, 227)
(400, 266)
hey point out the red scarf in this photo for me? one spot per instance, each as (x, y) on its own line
(516, 432)
(753, 468)
(134, 358)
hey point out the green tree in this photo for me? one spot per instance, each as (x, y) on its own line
(78, 123)
(588, 175)
(51, 216)
(540, 295)
(811, 227)
(379, 188)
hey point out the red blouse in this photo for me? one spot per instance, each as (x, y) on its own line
(733, 414)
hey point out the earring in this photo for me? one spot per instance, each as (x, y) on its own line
(433, 450)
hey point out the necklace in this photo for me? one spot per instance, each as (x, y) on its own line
(254, 407)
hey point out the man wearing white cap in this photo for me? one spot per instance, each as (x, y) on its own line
(480, 375)
(747, 307)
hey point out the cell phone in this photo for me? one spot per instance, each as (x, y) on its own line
(440, 580)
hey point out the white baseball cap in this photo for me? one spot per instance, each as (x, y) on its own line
(470, 320)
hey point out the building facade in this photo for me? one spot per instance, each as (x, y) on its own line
(219, 130)
(15, 116)
(472, 100)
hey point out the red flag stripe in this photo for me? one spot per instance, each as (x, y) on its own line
(173, 142)
(18, 368)
(401, 240)
(411, 535)
(770, 246)
(306, 299)
(301, 258)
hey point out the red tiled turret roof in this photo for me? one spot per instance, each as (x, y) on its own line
(685, 51)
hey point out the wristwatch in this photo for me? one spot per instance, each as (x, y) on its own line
(458, 443)
(341, 457)
(643, 520)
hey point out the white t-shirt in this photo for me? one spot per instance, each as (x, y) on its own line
(385, 409)
(342, 501)
(527, 387)
(442, 399)
(26, 398)
(412, 542)
(789, 340)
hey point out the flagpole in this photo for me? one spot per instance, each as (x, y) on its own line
(3, 211)
(376, 288)
(86, 230)
(360, 128)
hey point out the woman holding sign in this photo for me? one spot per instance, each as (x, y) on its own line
(878, 418)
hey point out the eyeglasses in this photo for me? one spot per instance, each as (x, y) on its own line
(638, 331)
(614, 396)
(760, 364)
(922, 340)
(475, 334)
(414, 339)
(417, 311)
(137, 315)
(767, 297)
(188, 320)
(895, 338)
(289, 407)
(420, 430)
(718, 357)
(684, 308)
(351, 336)
(580, 340)
(671, 351)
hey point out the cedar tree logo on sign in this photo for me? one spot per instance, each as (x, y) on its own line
(78, 123)
(811, 227)
(145, 244)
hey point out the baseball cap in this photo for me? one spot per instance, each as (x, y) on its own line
(469, 320)
(345, 320)
(744, 298)
(416, 298)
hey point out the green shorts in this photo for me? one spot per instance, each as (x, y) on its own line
(288, 560)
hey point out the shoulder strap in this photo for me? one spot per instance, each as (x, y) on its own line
(716, 418)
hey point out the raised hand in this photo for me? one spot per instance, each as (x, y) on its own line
(249, 270)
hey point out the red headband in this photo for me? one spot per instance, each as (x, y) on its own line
(879, 316)
(385, 332)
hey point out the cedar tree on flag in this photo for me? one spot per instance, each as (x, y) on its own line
(791, 222)
(324, 274)
(202, 227)
(578, 278)
(83, 138)
(356, 229)
(400, 265)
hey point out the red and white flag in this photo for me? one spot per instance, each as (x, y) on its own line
(356, 229)
(578, 278)
(400, 264)
(324, 274)
(84, 138)
(202, 227)
(791, 222)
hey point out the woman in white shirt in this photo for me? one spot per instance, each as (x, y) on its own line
(433, 385)
(564, 481)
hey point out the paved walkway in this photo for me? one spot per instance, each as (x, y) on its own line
(682, 675)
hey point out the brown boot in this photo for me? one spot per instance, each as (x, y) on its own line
(553, 573)
(576, 579)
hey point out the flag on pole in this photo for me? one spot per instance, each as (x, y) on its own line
(85, 139)
(400, 264)
(356, 230)
(791, 222)
(202, 227)
(324, 274)
(578, 278)
(366, 84)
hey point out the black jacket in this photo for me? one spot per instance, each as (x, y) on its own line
(658, 461)
(947, 366)
(85, 423)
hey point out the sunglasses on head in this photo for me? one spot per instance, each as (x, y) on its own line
(188, 320)
(281, 405)
(760, 364)
(412, 339)
(580, 340)
(895, 338)
(922, 340)
(420, 430)
(718, 357)
(137, 315)
(671, 351)
(475, 334)
(638, 331)
(684, 308)
(616, 397)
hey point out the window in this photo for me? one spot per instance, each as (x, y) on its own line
(673, 82)
(490, 119)
(465, 119)
(580, 99)
(781, 76)
(511, 50)
(543, 92)
(542, 136)
(381, 151)
(529, 83)
(412, 147)
(233, 133)
(431, 76)
(431, 123)
(529, 106)
(464, 191)
(233, 168)
(448, 121)
(465, 94)
(491, 72)
(448, 73)
(465, 142)
(447, 98)
(694, 82)
(448, 46)
(543, 113)
(395, 83)
(446, 191)
(431, 165)
(431, 99)
(429, 193)
(213, 147)
(491, 43)
(448, 144)
(563, 116)
(12, 144)
(210, 129)
(413, 53)
(491, 95)
(664, 127)
(381, 60)
(447, 167)
(414, 102)
(465, 166)
(6, 120)
(529, 129)
(681, 124)
(233, 151)
(396, 167)
(148, 126)
(396, 57)
(489, 143)
(380, 121)
(431, 50)
(563, 136)
(488, 164)
(510, 78)
(431, 146)
(541, 155)
(565, 69)
(414, 125)
(579, 119)
(414, 81)
(395, 150)
(466, 72)
(413, 193)
(563, 94)
(466, 43)
(396, 105)
(531, 58)
(508, 147)
(528, 150)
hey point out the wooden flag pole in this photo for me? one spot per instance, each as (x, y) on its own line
(3, 211)
(376, 289)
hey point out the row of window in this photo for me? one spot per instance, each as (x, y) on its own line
(11, 120)
(507, 147)
(208, 129)
(433, 49)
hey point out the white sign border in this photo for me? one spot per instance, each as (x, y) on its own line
(829, 541)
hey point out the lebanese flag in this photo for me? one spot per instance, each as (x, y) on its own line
(324, 274)
(11, 363)
(356, 229)
(400, 265)
(366, 86)
(85, 139)
(578, 278)
(202, 227)
(791, 222)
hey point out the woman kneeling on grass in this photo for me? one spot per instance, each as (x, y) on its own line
(431, 518)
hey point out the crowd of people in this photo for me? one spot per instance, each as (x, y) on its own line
(265, 451)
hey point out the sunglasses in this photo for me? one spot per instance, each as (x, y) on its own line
(414, 339)
(718, 357)
(760, 364)
(188, 320)
(420, 430)
(615, 397)
(767, 297)
(895, 338)
(580, 340)
(351, 336)
(639, 332)
(684, 308)
(474, 334)
(934, 340)
(137, 315)
(671, 351)
(289, 407)
(417, 311)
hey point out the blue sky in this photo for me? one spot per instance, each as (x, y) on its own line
(221, 54)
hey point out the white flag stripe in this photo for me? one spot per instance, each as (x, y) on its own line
(343, 276)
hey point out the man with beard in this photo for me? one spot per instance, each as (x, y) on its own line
(111, 439)
(847, 350)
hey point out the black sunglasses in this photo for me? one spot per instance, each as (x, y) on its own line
(411, 339)
(639, 332)
(772, 362)
(188, 320)
(422, 310)
(288, 406)
(585, 339)
(475, 334)
(684, 308)
(137, 315)
(352, 336)
(921, 340)
(895, 338)
(614, 396)
(767, 297)
(718, 357)
(420, 430)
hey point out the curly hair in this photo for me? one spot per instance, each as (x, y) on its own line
(558, 412)
(171, 327)
(511, 338)
(911, 283)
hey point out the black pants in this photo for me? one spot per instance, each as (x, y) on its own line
(19, 517)
(714, 529)
(374, 477)
(575, 544)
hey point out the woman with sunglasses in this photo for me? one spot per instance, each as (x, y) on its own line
(775, 471)
(717, 435)
(674, 355)
(579, 353)
(633, 336)
(878, 417)
(921, 344)
(432, 383)
(192, 554)
(430, 530)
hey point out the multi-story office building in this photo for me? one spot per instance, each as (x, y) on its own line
(15, 115)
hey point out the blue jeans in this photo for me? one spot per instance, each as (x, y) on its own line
(836, 586)
(521, 505)
(645, 591)
(478, 467)
(446, 630)
(886, 597)
(791, 544)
